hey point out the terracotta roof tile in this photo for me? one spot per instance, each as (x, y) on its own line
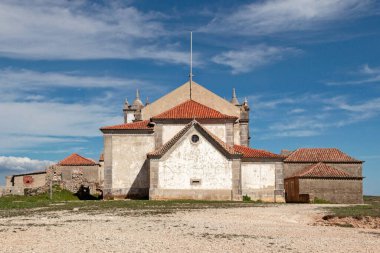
(76, 160)
(255, 153)
(319, 155)
(192, 110)
(162, 150)
(138, 125)
(321, 170)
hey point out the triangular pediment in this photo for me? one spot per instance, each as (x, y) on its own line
(224, 148)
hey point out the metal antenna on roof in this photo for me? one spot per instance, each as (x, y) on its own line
(191, 60)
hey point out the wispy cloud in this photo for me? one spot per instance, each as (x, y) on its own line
(43, 29)
(22, 164)
(366, 74)
(279, 16)
(28, 79)
(247, 59)
(303, 115)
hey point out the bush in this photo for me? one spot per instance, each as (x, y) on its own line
(246, 198)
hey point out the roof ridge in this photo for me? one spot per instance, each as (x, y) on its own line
(184, 111)
(249, 152)
(321, 170)
(137, 125)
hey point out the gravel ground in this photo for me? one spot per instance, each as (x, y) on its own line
(282, 228)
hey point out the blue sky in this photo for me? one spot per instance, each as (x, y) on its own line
(310, 70)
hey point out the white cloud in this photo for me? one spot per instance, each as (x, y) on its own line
(247, 59)
(367, 75)
(278, 16)
(55, 119)
(43, 29)
(22, 164)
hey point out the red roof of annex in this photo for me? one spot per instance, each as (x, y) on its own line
(255, 153)
(319, 155)
(75, 160)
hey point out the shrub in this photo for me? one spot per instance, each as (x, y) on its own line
(246, 198)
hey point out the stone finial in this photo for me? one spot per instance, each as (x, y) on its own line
(147, 101)
(137, 104)
(234, 99)
(126, 104)
(245, 105)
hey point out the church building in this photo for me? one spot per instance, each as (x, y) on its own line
(193, 144)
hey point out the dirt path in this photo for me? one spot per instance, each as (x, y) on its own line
(283, 228)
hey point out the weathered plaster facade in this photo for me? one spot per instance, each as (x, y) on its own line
(194, 171)
(127, 172)
(263, 181)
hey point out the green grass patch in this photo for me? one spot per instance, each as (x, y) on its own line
(65, 200)
(320, 201)
(371, 208)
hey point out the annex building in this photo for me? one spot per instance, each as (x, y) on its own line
(193, 144)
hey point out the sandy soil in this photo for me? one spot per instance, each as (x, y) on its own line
(283, 228)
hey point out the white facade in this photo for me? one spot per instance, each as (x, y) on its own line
(190, 162)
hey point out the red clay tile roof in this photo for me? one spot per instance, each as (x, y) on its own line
(192, 110)
(319, 155)
(321, 170)
(76, 160)
(222, 145)
(255, 153)
(138, 125)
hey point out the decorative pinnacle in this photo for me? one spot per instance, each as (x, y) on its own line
(234, 99)
(137, 94)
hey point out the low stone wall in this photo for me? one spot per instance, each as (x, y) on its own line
(11, 191)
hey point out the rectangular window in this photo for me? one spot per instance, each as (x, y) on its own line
(195, 181)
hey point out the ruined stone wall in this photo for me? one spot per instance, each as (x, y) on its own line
(194, 171)
(130, 170)
(8, 182)
(333, 190)
(73, 177)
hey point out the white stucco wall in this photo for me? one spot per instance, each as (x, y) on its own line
(258, 176)
(186, 161)
(128, 157)
(169, 130)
